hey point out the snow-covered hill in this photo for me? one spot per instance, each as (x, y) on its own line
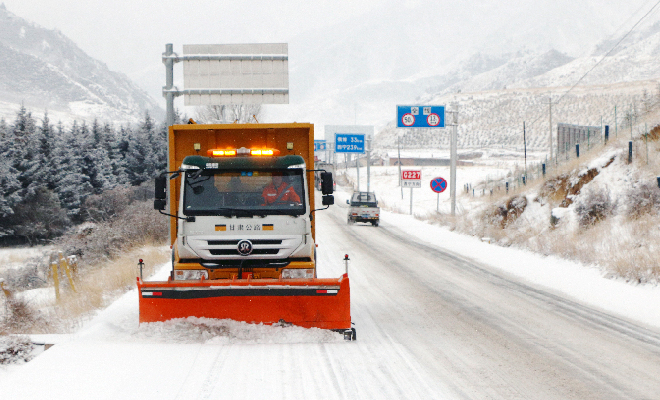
(45, 70)
(359, 70)
(495, 118)
(497, 95)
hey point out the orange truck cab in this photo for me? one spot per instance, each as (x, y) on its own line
(241, 203)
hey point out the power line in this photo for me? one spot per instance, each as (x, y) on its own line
(609, 52)
(603, 58)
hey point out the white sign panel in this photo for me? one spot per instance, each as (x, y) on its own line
(411, 179)
(411, 184)
(242, 73)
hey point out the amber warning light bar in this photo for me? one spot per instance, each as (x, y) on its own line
(242, 152)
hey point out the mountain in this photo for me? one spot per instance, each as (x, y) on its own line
(44, 70)
(357, 71)
(634, 59)
(617, 78)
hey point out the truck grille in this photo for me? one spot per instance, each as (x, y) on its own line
(234, 242)
(233, 252)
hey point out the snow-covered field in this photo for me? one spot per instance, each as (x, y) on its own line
(409, 341)
(16, 257)
(113, 357)
(586, 283)
(384, 182)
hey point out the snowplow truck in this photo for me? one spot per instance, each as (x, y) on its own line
(241, 203)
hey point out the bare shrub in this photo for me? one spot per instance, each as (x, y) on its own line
(99, 286)
(136, 224)
(555, 189)
(109, 204)
(593, 206)
(639, 266)
(33, 275)
(505, 214)
(643, 199)
(565, 187)
(15, 349)
(20, 317)
(654, 134)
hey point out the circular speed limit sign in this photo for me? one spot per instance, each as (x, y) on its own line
(433, 119)
(408, 119)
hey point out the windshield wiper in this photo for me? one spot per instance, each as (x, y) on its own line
(238, 212)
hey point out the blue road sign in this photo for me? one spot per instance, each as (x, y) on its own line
(438, 185)
(349, 143)
(420, 116)
(319, 145)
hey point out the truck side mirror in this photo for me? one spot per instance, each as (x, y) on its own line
(159, 204)
(160, 193)
(326, 183)
(328, 200)
(347, 202)
(161, 188)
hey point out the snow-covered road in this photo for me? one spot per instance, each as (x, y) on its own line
(431, 324)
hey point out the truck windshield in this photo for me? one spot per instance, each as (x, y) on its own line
(363, 199)
(244, 193)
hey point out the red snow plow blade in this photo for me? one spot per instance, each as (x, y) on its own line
(309, 303)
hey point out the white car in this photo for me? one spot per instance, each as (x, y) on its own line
(363, 208)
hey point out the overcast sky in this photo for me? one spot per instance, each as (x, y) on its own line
(130, 35)
(127, 34)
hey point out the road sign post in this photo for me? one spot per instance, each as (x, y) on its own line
(453, 157)
(438, 185)
(427, 116)
(411, 179)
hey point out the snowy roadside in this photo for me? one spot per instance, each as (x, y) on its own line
(118, 323)
(584, 283)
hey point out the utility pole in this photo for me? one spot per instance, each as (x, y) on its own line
(357, 166)
(453, 156)
(550, 122)
(616, 126)
(646, 136)
(368, 162)
(398, 146)
(631, 121)
(525, 143)
(169, 106)
(169, 84)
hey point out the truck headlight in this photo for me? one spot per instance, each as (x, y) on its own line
(295, 273)
(190, 274)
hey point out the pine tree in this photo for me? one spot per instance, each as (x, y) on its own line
(9, 184)
(41, 148)
(141, 159)
(73, 185)
(112, 147)
(21, 154)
